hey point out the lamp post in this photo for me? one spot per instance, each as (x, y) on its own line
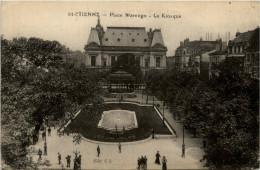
(45, 142)
(153, 99)
(183, 145)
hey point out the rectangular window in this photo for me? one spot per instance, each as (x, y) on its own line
(93, 60)
(158, 60)
(146, 62)
(113, 60)
(137, 61)
(105, 62)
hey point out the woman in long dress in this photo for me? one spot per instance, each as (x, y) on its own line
(157, 160)
(164, 161)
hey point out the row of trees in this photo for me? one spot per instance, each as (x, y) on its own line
(37, 84)
(223, 111)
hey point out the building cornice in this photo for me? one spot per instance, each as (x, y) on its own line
(126, 48)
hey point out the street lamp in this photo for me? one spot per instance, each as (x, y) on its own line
(45, 140)
(183, 145)
(153, 99)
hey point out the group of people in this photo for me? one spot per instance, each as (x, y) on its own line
(164, 161)
(77, 161)
(142, 162)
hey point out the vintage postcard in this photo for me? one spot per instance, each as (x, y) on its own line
(130, 85)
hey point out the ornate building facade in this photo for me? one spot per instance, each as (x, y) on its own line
(105, 47)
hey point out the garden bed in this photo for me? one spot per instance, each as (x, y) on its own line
(86, 123)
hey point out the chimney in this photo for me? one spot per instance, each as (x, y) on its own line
(237, 33)
(186, 41)
(181, 44)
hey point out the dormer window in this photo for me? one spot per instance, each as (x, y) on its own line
(145, 40)
(118, 39)
(113, 33)
(133, 40)
(121, 33)
(106, 39)
(130, 33)
(137, 33)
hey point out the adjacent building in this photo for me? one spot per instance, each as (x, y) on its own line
(195, 55)
(246, 48)
(214, 59)
(105, 47)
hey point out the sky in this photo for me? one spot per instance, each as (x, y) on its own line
(54, 20)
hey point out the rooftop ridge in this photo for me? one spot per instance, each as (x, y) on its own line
(142, 28)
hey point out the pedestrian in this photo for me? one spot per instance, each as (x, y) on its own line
(75, 167)
(98, 151)
(79, 161)
(152, 133)
(157, 160)
(59, 158)
(40, 154)
(139, 162)
(142, 161)
(119, 147)
(164, 161)
(145, 162)
(68, 161)
(49, 131)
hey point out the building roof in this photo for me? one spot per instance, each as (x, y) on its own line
(157, 38)
(242, 37)
(93, 37)
(125, 36)
(200, 46)
(120, 76)
(254, 45)
(219, 53)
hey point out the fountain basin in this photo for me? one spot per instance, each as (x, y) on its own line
(117, 120)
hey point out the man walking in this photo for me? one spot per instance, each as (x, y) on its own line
(49, 131)
(145, 162)
(98, 151)
(68, 161)
(119, 147)
(40, 154)
(164, 161)
(139, 162)
(59, 158)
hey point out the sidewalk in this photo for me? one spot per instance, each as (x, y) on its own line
(110, 157)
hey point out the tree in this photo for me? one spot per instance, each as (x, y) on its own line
(35, 84)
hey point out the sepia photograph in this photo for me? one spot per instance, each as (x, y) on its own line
(133, 85)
